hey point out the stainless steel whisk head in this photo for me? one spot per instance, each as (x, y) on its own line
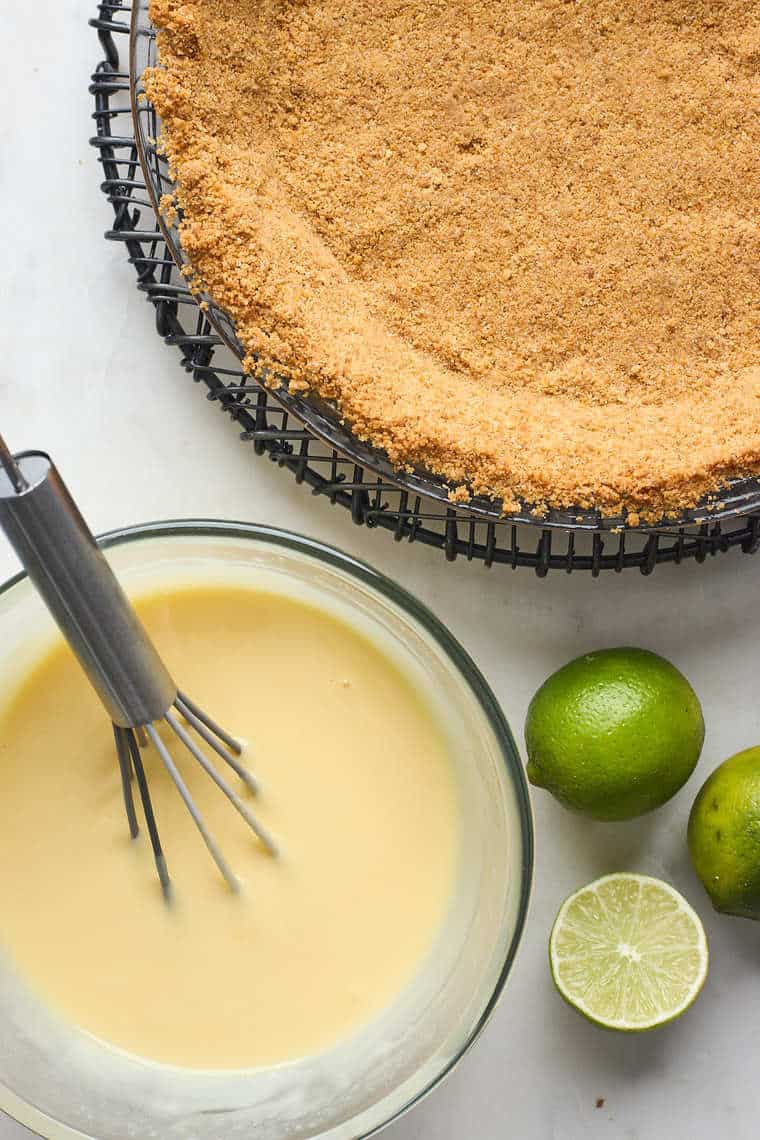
(132, 768)
(81, 591)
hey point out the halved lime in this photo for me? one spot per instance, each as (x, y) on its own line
(628, 952)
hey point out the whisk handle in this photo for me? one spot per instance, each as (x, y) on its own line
(61, 557)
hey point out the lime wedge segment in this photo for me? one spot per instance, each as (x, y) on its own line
(628, 952)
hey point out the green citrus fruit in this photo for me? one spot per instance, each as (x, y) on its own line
(628, 952)
(614, 734)
(724, 835)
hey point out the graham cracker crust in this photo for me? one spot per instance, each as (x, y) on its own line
(517, 244)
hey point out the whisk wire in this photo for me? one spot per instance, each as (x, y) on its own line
(221, 783)
(183, 790)
(234, 745)
(150, 819)
(212, 733)
(125, 767)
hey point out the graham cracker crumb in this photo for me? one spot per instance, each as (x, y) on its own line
(459, 495)
(168, 207)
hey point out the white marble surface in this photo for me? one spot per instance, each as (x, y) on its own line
(83, 375)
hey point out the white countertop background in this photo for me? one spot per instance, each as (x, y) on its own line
(83, 375)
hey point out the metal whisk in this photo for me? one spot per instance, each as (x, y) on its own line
(79, 588)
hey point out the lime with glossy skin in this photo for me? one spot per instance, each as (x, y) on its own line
(724, 835)
(614, 734)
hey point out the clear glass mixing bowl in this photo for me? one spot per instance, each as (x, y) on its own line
(62, 1082)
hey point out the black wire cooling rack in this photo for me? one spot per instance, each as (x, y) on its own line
(307, 439)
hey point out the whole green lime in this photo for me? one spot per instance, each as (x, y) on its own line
(614, 734)
(724, 835)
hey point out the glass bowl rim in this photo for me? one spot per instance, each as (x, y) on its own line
(462, 662)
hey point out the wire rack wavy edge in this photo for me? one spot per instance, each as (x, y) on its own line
(269, 423)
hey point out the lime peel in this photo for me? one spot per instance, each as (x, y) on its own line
(724, 835)
(628, 952)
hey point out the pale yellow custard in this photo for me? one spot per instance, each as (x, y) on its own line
(357, 787)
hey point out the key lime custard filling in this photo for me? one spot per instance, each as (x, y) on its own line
(357, 786)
